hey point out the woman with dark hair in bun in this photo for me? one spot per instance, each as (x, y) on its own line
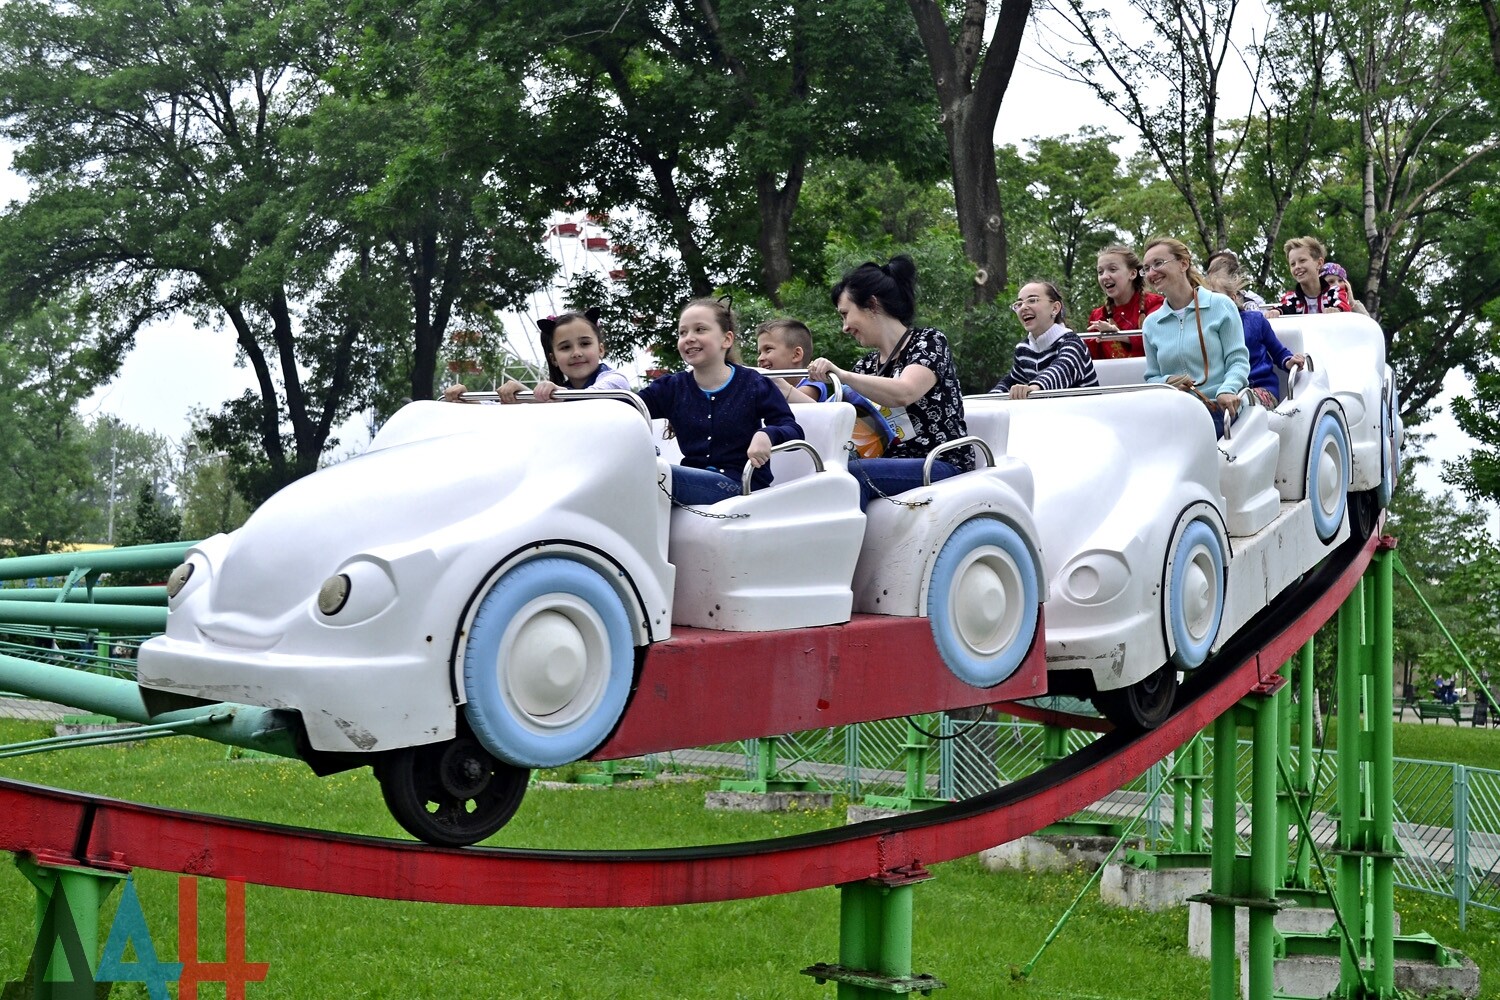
(908, 373)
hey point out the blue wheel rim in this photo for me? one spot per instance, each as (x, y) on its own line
(1197, 564)
(982, 601)
(548, 663)
(1327, 432)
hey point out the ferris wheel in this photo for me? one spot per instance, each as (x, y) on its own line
(579, 244)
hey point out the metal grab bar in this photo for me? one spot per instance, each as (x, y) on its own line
(1306, 369)
(566, 395)
(838, 386)
(968, 440)
(799, 444)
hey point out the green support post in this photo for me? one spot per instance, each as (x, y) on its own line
(1382, 778)
(915, 751)
(1266, 860)
(71, 895)
(1222, 984)
(1306, 768)
(767, 774)
(875, 954)
(1197, 838)
(609, 773)
(1350, 785)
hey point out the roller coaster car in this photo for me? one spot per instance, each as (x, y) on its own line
(474, 596)
(1162, 542)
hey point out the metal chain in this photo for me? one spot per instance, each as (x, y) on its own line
(661, 484)
(854, 458)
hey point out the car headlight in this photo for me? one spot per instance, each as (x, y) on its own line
(187, 577)
(356, 593)
(178, 579)
(1094, 577)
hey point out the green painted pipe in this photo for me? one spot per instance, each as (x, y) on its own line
(1382, 790)
(237, 725)
(141, 557)
(1349, 785)
(1265, 830)
(1307, 725)
(81, 595)
(116, 617)
(1223, 984)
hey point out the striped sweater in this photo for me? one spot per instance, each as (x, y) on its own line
(1058, 359)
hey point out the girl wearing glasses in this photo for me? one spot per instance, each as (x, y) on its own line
(908, 374)
(1195, 342)
(1051, 356)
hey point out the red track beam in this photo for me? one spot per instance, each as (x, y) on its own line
(103, 831)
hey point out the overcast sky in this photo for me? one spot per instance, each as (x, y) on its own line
(175, 367)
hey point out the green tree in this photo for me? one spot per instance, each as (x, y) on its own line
(123, 458)
(1179, 51)
(47, 364)
(208, 499)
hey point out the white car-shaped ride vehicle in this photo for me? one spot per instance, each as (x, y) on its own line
(475, 595)
(1162, 542)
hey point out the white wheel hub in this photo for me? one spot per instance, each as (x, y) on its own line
(554, 661)
(1330, 477)
(985, 600)
(1199, 590)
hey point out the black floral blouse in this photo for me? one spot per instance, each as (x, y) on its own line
(937, 416)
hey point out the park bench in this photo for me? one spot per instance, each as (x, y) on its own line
(1438, 710)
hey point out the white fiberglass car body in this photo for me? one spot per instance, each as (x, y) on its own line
(1161, 541)
(495, 573)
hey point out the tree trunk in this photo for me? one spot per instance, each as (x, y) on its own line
(778, 203)
(970, 106)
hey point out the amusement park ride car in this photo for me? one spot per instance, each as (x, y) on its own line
(489, 590)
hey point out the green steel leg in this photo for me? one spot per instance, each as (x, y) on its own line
(875, 953)
(1265, 830)
(1350, 787)
(67, 896)
(767, 776)
(1222, 984)
(609, 773)
(916, 750)
(1382, 777)
(1198, 839)
(1306, 727)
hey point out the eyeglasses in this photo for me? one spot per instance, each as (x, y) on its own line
(1159, 264)
(1031, 300)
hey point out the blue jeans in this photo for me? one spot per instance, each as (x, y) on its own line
(892, 476)
(701, 486)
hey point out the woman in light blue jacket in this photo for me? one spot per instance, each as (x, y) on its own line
(1195, 341)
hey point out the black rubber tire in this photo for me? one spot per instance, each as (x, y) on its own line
(1364, 512)
(1145, 704)
(450, 794)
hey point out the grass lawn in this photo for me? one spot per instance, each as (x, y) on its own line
(971, 926)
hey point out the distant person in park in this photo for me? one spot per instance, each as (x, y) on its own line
(1050, 356)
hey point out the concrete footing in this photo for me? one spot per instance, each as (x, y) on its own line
(1291, 920)
(1052, 852)
(766, 802)
(1318, 976)
(1148, 888)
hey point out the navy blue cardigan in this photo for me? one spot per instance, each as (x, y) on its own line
(714, 429)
